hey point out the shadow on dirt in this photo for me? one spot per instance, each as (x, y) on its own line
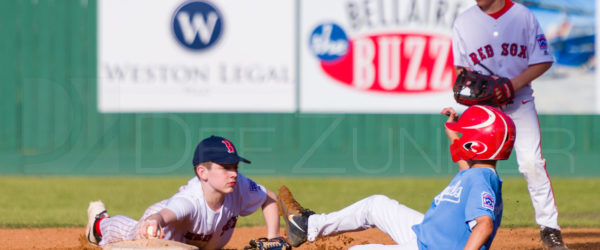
(595, 244)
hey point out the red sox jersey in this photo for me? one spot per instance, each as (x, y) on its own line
(506, 42)
(199, 225)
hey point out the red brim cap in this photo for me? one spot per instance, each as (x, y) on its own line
(454, 126)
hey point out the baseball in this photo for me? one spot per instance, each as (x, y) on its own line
(152, 234)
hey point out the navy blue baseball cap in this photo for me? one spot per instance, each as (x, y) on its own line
(217, 149)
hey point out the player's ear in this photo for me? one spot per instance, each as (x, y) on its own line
(202, 171)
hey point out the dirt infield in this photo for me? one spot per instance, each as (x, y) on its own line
(72, 238)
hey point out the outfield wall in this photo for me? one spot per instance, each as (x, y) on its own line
(50, 124)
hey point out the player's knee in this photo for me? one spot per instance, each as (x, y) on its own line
(532, 165)
(370, 208)
(379, 200)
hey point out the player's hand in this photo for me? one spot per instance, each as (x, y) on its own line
(452, 115)
(460, 69)
(149, 229)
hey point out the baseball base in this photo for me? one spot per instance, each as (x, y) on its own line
(149, 244)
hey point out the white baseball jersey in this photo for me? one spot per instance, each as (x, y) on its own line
(507, 42)
(197, 224)
(201, 226)
(506, 45)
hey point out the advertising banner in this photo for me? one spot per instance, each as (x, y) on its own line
(196, 56)
(570, 86)
(377, 56)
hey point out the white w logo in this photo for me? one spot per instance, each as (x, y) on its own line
(197, 25)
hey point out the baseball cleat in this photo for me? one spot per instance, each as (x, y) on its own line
(552, 239)
(95, 211)
(295, 216)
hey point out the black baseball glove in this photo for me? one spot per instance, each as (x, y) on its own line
(277, 243)
(471, 88)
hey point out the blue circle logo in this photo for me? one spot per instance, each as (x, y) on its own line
(197, 25)
(328, 42)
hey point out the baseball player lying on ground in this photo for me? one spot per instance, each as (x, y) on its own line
(203, 213)
(465, 215)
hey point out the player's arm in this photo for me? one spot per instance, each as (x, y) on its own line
(157, 220)
(480, 233)
(453, 117)
(270, 211)
(531, 73)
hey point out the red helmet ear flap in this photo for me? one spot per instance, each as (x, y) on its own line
(458, 152)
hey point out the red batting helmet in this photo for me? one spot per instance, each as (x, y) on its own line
(487, 134)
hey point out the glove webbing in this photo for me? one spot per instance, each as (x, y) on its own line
(269, 244)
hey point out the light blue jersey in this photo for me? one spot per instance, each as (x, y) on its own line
(473, 193)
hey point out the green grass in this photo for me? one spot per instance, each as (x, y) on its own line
(62, 202)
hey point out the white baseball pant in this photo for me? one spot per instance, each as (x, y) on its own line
(378, 211)
(121, 228)
(531, 163)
